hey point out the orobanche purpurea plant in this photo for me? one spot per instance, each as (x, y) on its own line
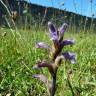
(56, 56)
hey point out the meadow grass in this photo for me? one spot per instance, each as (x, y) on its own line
(18, 55)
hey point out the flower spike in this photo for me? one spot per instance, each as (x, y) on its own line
(56, 55)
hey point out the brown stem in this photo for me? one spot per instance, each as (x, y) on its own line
(53, 90)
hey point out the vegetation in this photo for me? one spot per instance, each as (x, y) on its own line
(18, 55)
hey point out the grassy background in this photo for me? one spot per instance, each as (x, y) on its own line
(18, 55)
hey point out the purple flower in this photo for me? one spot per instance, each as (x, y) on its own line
(67, 42)
(42, 45)
(62, 30)
(53, 31)
(57, 34)
(70, 56)
(57, 38)
(52, 28)
(54, 35)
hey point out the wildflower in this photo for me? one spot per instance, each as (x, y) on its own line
(42, 45)
(70, 56)
(56, 36)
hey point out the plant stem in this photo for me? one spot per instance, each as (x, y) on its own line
(69, 83)
(53, 86)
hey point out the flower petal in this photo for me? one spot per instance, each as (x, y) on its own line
(53, 31)
(62, 30)
(52, 28)
(67, 42)
(70, 56)
(42, 45)
(54, 36)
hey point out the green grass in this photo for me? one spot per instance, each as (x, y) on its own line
(18, 55)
